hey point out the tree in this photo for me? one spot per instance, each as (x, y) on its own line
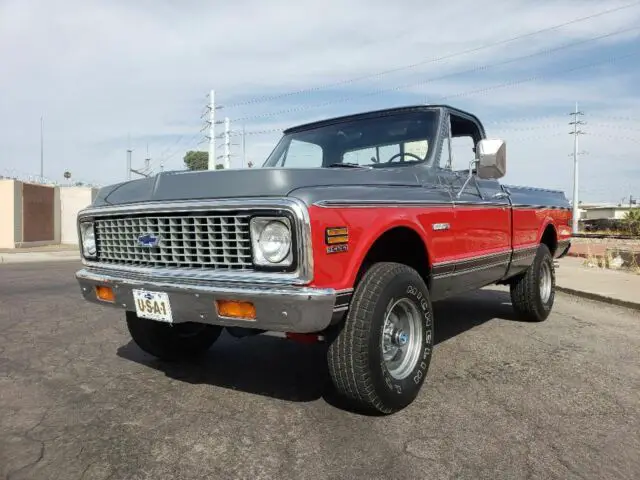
(196, 160)
(632, 221)
(67, 175)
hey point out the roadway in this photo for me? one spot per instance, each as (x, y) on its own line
(503, 399)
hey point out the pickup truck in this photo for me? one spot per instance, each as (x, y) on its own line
(347, 234)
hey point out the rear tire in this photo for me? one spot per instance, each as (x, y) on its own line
(380, 358)
(533, 293)
(172, 342)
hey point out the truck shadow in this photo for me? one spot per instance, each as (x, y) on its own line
(287, 370)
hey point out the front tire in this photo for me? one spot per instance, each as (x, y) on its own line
(533, 293)
(380, 358)
(171, 342)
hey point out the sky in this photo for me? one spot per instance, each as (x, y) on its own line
(108, 75)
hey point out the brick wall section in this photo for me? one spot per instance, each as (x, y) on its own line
(38, 223)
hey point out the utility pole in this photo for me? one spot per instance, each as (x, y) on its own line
(129, 163)
(212, 131)
(227, 143)
(147, 161)
(42, 149)
(130, 170)
(244, 147)
(576, 132)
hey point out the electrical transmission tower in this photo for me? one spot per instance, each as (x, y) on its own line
(227, 144)
(576, 132)
(226, 136)
(210, 124)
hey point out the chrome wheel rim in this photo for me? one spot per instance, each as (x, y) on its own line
(402, 338)
(545, 282)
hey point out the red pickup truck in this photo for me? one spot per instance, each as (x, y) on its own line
(348, 233)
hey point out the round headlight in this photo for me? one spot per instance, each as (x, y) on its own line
(88, 240)
(275, 241)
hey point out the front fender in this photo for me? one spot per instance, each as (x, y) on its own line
(365, 226)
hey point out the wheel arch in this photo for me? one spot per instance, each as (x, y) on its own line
(401, 243)
(549, 236)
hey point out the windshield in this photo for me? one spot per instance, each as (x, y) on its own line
(398, 139)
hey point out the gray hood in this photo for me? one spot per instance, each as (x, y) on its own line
(260, 182)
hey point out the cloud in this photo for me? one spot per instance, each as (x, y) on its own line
(102, 72)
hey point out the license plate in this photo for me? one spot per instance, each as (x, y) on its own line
(153, 305)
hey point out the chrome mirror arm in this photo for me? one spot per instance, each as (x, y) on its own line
(472, 164)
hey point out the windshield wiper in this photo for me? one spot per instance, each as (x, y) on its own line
(346, 165)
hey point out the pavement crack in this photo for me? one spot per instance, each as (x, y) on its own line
(30, 464)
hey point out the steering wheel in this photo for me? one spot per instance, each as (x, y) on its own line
(402, 155)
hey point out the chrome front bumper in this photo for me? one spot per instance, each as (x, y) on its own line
(278, 308)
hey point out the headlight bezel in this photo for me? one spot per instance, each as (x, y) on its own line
(84, 228)
(257, 225)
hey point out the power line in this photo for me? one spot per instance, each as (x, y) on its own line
(493, 122)
(433, 79)
(538, 77)
(616, 127)
(431, 60)
(511, 83)
(624, 119)
(210, 113)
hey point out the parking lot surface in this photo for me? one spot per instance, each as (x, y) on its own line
(503, 398)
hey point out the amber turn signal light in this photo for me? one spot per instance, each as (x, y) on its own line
(336, 235)
(105, 293)
(235, 309)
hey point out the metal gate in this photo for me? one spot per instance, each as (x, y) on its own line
(37, 213)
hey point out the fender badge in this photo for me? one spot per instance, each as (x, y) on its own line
(337, 239)
(342, 247)
(440, 226)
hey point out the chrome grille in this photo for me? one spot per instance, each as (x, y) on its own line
(210, 241)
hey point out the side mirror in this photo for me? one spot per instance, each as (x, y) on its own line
(492, 158)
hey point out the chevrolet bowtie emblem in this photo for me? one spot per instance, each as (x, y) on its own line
(149, 240)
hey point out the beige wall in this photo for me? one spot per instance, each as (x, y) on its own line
(11, 221)
(605, 213)
(72, 200)
(57, 220)
(620, 213)
(8, 216)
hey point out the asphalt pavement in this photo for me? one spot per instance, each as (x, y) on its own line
(503, 398)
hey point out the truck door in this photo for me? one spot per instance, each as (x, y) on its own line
(482, 211)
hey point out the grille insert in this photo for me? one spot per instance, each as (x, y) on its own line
(206, 241)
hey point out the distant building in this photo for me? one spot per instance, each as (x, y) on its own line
(603, 211)
(603, 216)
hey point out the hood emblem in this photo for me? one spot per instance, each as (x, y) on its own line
(149, 240)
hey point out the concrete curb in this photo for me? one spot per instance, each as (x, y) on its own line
(600, 298)
(25, 257)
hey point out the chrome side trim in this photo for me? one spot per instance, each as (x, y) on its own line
(427, 203)
(343, 298)
(523, 206)
(479, 203)
(471, 259)
(379, 203)
(465, 271)
(302, 226)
